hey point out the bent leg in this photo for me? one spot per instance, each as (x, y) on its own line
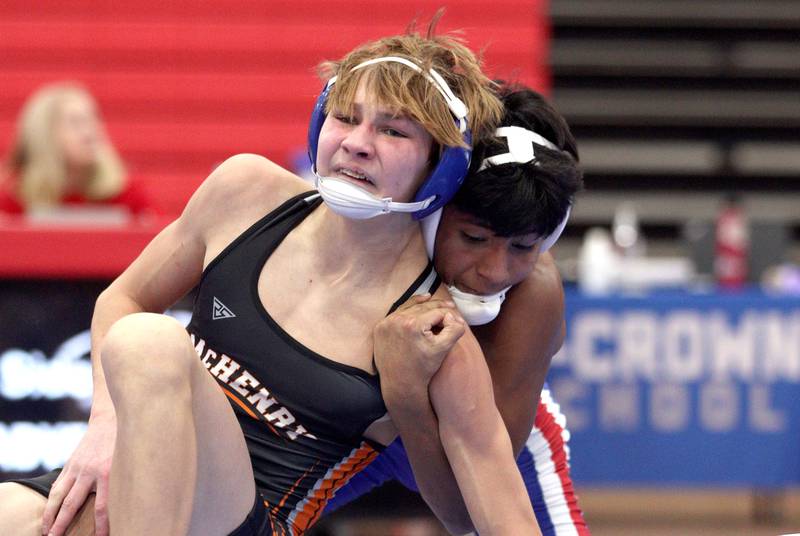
(21, 504)
(543, 463)
(180, 465)
(83, 524)
(21, 510)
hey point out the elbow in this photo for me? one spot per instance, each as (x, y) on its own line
(107, 299)
(103, 298)
(111, 293)
(113, 302)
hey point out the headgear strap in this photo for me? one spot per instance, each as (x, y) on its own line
(520, 147)
(456, 105)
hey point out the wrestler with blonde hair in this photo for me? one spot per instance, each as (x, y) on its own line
(284, 404)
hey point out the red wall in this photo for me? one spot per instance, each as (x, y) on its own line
(184, 84)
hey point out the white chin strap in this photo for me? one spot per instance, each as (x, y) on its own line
(354, 202)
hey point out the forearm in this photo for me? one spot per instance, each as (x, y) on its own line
(111, 305)
(477, 445)
(437, 484)
(422, 331)
(489, 479)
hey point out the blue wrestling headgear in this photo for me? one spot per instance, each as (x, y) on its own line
(443, 182)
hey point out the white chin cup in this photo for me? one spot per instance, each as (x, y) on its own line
(354, 202)
(477, 310)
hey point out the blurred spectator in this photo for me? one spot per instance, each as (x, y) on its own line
(62, 159)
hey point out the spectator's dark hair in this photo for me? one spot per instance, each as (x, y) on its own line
(513, 199)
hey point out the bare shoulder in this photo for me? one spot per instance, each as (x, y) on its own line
(540, 294)
(239, 191)
(530, 327)
(247, 178)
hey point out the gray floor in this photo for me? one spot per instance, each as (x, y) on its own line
(642, 512)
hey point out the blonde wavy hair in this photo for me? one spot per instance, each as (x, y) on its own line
(38, 162)
(411, 93)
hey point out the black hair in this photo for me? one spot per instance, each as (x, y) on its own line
(514, 199)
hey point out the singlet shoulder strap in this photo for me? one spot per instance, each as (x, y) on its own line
(428, 281)
(285, 209)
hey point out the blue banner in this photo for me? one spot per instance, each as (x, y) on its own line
(679, 388)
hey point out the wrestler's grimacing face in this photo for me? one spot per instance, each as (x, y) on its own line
(472, 258)
(380, 150)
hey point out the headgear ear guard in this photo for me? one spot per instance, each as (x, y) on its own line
(449, 173)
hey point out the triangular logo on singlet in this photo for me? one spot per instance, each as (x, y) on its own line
(221, 310)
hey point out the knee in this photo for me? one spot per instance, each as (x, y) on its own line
(149, 347)
(21, 511)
